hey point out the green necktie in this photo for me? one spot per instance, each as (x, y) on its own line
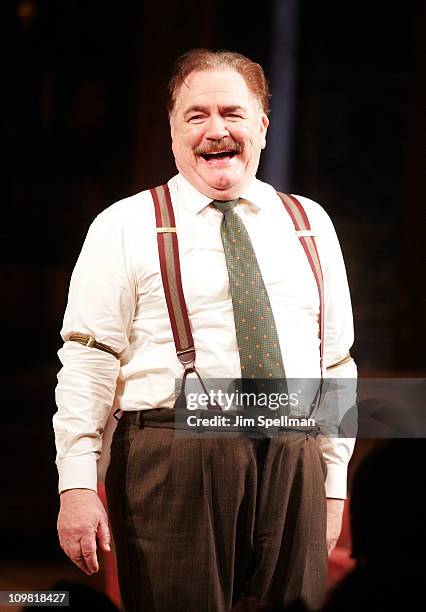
(258, 344)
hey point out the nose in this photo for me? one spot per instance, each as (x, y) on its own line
(216, 128)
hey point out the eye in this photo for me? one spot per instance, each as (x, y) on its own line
(195, 118)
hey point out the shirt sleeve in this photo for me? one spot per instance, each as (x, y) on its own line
(337, 450)
(338, 339)
(101, 303)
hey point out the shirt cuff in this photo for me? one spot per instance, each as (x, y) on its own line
(77, 473)
(336, 481)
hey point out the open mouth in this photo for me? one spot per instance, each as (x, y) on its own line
(219, 155)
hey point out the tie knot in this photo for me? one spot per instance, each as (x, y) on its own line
(224, 206)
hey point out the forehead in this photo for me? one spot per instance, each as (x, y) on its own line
(210, 87)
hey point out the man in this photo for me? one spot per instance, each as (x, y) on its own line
(200, 523)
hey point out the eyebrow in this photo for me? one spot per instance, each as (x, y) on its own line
(199, 108)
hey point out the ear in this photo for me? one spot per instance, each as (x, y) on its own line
(264, 123)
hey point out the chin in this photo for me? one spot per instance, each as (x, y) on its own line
(223, 183)
(226, 194)
(229, 190)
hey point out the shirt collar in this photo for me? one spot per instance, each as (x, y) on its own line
(196, 201)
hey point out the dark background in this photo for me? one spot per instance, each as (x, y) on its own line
(83, 123)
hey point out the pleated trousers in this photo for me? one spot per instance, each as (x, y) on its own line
(200, 522)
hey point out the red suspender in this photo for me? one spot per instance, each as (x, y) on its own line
(170, 272)
(303, 230)
(172, 281)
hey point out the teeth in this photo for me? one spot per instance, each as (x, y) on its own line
(218, 153)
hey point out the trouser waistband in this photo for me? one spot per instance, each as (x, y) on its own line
(152, 417)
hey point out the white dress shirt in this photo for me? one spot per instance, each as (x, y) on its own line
(116, 295)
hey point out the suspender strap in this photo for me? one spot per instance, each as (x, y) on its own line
(170, 272)
(303, 230)
(170, 268)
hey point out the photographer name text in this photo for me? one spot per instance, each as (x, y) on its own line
(222, 421)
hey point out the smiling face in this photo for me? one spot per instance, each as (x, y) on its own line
(218, 131)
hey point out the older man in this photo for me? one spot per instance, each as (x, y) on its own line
(200, 522)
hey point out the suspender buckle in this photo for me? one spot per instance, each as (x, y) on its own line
(187, 358)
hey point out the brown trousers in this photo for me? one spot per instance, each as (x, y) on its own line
(199, 522)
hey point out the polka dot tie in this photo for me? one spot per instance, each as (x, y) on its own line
(258, 344)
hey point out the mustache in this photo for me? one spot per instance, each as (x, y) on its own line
(219, 146)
